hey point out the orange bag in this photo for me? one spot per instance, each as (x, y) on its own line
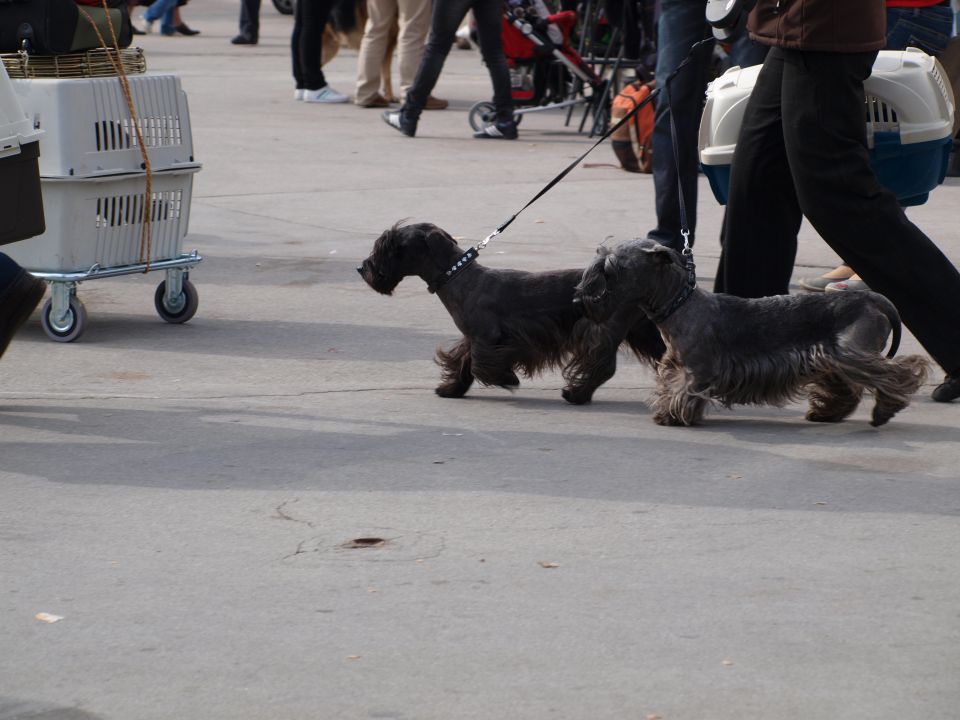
(633, 143)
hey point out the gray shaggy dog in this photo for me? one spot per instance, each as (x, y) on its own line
(761, 351)
(511, 320)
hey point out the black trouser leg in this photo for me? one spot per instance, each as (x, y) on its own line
(446, 18)
(306, 42)
(824, 138)
(759, 236)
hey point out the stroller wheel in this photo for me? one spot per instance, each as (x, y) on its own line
(483, 113)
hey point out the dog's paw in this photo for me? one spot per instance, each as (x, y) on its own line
(668, 420)
(576, 397)
(452, 390)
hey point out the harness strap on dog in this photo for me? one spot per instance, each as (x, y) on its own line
(683, 296)
(468, 257)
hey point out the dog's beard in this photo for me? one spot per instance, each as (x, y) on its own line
(382, 283)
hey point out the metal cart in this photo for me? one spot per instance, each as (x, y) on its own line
(94, 180)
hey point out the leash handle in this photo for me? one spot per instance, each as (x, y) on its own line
(626, 118)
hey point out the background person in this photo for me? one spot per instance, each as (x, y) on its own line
(412, 18)
(802, 151)
(924, 24)
(306, 46)
(20, 293)
(249, 23)
(680, 24)
(446, 18)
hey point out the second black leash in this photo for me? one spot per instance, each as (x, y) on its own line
(625, 119)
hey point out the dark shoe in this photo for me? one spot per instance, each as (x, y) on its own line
(399, 120)
(378, 101)
(244, 40)
(949, 389)
(499, 130)
(436, 103)
(17, 301)
(184, 29)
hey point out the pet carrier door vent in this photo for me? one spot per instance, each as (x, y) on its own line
(120, 210)
(881, 116)
(121, 134)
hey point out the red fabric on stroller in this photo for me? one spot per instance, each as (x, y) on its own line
(517, 46)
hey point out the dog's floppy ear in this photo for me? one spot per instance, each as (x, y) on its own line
(661, 254)
(438, 240)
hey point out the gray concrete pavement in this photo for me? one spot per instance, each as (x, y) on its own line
(184, 496)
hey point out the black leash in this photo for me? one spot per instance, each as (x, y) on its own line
(623, 121)
(470, 255)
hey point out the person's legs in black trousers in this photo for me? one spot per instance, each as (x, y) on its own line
(249, 23)
(306, 42)
(306, 47)
(20, 293)
(489, 17)
(862, 221)
(446, 18)
(759, 237)
(824, 138)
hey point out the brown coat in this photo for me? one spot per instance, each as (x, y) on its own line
(820, 25)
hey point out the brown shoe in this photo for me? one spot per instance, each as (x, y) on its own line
(378, 101)
(435, 104)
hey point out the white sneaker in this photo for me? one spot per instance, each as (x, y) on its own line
(326, 94)
(299, 93)
(146, 26)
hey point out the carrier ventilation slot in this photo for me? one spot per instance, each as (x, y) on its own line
(120, 210)
(938, 77)
(161, 131)
(881, 116)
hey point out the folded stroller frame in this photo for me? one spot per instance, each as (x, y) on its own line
(545, 72)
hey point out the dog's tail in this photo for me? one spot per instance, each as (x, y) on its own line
(343, 15)
(893, 317)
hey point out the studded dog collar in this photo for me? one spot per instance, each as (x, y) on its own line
(466, 259)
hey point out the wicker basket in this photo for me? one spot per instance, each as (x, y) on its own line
(89, 64)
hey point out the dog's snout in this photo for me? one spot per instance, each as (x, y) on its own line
(360, 269)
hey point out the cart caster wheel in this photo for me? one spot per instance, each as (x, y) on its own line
(483, 113)
(71, 327)
(185, 307)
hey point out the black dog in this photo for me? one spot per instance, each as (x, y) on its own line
(511, 320)
(756, 351)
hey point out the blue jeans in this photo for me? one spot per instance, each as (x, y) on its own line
(927, 28)
(446, 18)
(681, 24)
(161, 10)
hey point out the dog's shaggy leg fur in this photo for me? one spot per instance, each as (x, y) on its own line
(493, 365)
(457, 376)
(892, 391)
(832, 399)
(892, 382)
(676, 401)
(591, 368)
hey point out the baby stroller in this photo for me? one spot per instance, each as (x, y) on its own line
(546, 73)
